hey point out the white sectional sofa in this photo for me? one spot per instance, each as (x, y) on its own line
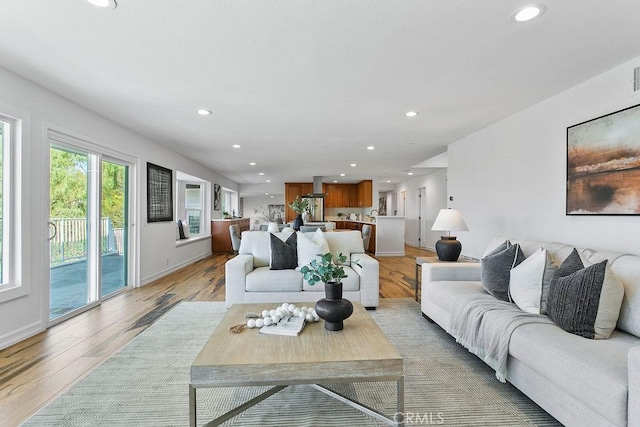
(249, 278)
(577, 380)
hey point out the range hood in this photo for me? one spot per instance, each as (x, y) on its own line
(317, 189)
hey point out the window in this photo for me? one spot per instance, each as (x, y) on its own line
(11, 128)
(5, 136)
(193, 206)
(229, 202)
(191, 197)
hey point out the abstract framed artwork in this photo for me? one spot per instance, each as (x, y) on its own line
(159, 193)
(217, 197)
(275, 212)
(603, 165)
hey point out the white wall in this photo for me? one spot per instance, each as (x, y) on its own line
(509, 178)
(435, 184)
(25, 316)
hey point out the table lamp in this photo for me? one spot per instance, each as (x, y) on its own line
(448, 248)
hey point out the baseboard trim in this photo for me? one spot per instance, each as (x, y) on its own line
(21, 334)
(165, 272)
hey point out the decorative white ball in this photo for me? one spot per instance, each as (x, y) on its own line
(291, 307)
(312, 310)
(296, 312)
(276, 318)
(315, 316)
(259, 323)
(265, 313)
(304, 309)
(302, 314)
(272, 313)
(285, 305)
(251, 323)
(279, 311)
(310, 318)
(267, 321)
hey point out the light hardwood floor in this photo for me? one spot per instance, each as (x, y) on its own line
(35, 371)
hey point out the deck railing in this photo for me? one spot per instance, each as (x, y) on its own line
(69, 243)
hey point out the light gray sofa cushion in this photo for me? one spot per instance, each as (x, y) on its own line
(581, 366)
(263, 279)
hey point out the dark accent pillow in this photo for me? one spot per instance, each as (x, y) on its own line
(284, 255)
(495, 270)
(585, 301)
(181, 230)
(575, 297)
(501, 247)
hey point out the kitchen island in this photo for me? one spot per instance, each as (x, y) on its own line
(389, 235)
(220, 236)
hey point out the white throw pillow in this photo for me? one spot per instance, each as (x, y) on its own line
(287, 230)
(310, 248)
(185, 228)
(529, 282)
(273, 227)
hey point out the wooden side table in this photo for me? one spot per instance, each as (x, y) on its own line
(431, 260)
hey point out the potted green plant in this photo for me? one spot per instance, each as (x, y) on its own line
(298, 206)
(333, 308)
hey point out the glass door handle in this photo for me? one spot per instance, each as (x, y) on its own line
(55, 231)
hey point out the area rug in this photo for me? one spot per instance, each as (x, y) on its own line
(146, 382)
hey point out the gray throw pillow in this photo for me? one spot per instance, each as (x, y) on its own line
(495, 270)
(585, 301)
(284, 255)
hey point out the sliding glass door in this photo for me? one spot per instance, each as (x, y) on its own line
(114, 227)
(88, 228)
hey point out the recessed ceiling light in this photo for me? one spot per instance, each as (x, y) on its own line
(342, 174)
(272, 197)
(528, 13)
(388, 181)
(261, 173)
(335, 180)
(252, 163)
(204, 112)
(410, 173)
(111, 4)
(268, 180)
(411, 113)
(371, 147)
(353, 165)
(266, 194)
(237, 145)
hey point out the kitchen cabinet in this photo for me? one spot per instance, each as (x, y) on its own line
(220, 236)
(351, 198)
(334, 195)
(365, 194)
(291, 190)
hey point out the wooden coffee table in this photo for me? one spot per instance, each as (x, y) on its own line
(358, 353)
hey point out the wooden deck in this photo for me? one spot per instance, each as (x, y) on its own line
(35, 371)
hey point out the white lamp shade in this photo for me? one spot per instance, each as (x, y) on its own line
(449, 220)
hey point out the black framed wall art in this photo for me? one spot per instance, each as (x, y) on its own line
(217, 197)
(159, 193)
(603, 165)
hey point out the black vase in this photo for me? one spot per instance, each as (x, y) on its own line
(334, 309)
(448, 248)
(297, 222)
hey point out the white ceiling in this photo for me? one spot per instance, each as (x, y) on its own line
(306, 85)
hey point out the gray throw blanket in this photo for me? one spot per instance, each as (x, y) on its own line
(484, 324)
